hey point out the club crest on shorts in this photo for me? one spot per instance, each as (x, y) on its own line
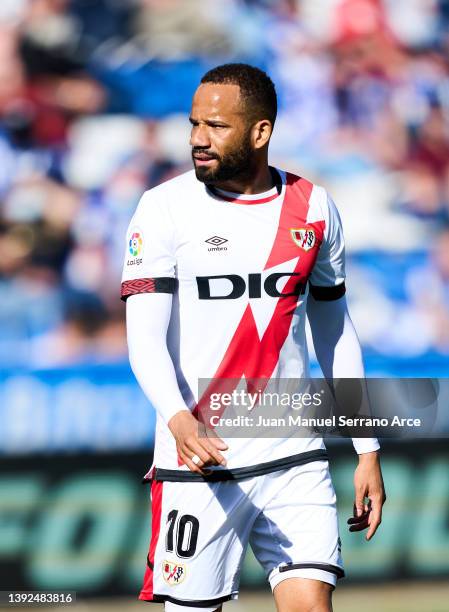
(174, 573)
(303, 237)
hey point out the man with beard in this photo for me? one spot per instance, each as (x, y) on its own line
(222, 264)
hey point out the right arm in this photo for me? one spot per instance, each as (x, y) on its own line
(147, 319)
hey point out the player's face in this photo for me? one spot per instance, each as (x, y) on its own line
(221, 134)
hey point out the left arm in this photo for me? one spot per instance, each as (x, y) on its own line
(339, 354)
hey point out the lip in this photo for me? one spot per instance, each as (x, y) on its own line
(203, 160)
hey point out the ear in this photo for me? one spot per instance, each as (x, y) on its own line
(261, 133)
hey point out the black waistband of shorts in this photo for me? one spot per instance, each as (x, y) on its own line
(223, 474)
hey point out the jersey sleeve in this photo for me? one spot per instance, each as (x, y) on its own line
(149, 263)
(327, 280)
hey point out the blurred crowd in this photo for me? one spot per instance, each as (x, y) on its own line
(94, 96)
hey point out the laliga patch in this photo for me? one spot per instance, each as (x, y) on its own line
(304, 238)
(174, 573)
(135, 247)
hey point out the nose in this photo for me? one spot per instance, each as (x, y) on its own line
(199, 136)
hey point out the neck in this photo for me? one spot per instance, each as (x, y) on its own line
(258, 182)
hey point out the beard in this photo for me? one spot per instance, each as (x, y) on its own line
(235, 164)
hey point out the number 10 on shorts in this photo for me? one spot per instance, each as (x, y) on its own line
(182, 534)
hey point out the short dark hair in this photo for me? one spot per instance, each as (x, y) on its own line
(256, 88)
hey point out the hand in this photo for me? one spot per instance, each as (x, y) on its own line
(192, 438)
(368, 483)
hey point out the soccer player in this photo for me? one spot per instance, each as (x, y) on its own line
(222, 265)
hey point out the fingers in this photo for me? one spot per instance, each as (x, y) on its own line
(194, 461)
(212, 444)
(370, 518)
(216, 458)
(192, 439)
(211, 436)
(360, 520)
(189, 463)
(360, 525)
(203, 450)
(375, 517)
(359, 504)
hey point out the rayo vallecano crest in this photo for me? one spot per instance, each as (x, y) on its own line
(174, 573)
(303, 237)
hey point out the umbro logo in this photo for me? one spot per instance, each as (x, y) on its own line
(216, 242)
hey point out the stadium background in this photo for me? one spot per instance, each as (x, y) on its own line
(93, 103)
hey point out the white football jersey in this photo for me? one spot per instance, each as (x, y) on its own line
(240, 269)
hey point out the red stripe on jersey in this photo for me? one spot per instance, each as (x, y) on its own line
(146, 594)
(293, 214)
(247, 354)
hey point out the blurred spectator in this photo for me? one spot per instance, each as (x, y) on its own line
(428, 287)
(174, 29)
(88, 333)
(427, 166)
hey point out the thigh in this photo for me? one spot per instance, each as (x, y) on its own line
(200, 532)
(303, 595)
(296, 533)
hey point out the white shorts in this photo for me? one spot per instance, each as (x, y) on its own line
(201, 530)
